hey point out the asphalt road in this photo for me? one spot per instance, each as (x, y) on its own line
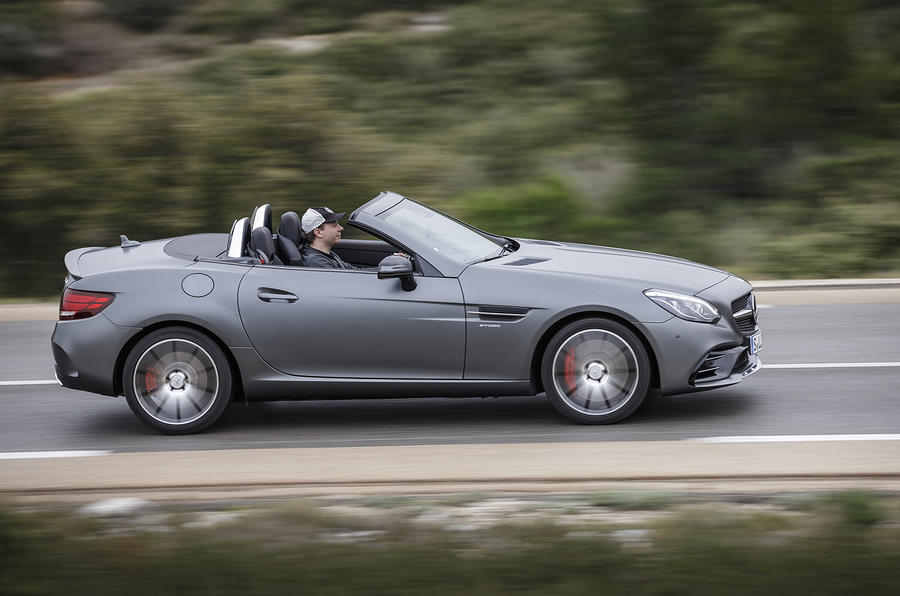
(774, 401)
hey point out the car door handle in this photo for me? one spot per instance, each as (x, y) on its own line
(276, 296)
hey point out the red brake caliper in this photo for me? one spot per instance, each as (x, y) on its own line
(571, 375)
(151, 380)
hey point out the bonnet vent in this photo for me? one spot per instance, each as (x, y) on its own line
(525, 261)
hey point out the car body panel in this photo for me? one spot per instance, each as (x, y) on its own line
(335, 323)
(604, 264)
(94, 260)
(501, 347)
(147, 297)
(556, 282)
(85, 352)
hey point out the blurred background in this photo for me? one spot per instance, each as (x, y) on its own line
(763, 136)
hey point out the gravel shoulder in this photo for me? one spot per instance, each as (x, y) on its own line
(453, 468)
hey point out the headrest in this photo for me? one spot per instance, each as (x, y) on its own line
(261, 217)
(290, 227)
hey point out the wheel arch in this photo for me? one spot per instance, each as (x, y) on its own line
(129, 345)
(548, 334)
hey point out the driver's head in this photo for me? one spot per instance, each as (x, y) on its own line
(320, 226)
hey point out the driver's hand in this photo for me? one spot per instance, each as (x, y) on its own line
(401, 254)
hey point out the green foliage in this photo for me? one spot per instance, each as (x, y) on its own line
(545, 208)
(701, 554)
(244, 21)
(722, 94)
(153, 161)
(29, 31)
(858, 508)
(633, 500)
(144, 15)
(760, 136)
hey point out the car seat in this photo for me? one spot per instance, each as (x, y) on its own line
(261, 217)
(288, 241)
(262, 247)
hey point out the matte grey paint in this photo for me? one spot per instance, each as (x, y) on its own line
(352, 324)
(305, 333)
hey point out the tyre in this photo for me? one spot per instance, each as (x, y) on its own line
(177, 380)
(596, 371)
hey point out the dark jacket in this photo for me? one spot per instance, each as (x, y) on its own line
(313, 257)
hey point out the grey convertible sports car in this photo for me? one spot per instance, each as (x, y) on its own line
(184, 326)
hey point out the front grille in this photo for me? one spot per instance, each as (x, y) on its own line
(745, 325)
(743, 312)
(740, 304)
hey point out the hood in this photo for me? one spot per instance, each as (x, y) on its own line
(654, 270)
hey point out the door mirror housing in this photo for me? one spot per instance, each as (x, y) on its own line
(395, 266)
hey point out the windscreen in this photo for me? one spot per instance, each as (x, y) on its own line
(433, 233)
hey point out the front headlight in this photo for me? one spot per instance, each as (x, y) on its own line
(689, 308)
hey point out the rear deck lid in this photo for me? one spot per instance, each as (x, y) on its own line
(84, 262)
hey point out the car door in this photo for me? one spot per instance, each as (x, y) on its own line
(340, 323)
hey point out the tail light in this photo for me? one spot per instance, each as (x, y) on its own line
(77, 304)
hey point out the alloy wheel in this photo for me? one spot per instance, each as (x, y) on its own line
(176, 381)
(595, 372)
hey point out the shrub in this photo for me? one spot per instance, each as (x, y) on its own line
(144, 15)
(29, 38)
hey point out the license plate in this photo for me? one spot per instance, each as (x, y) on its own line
(756, 342)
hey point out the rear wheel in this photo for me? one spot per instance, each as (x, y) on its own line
(596, 371)
(177, 380)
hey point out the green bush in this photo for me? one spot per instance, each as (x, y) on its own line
(761, 137)
(144, 15)
(543, 209)
(704, 554)
(29, 38)
(858, 508)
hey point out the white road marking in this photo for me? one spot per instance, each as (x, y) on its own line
(40, 382)
(794, 438)
(50, 454)
(835, 365)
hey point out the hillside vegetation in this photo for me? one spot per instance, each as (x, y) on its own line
(763, 136)
(641, 544)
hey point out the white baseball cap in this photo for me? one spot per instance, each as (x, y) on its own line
(316, 216)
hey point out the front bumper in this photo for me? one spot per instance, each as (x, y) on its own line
(725, 367)
(697, 356)
(85, 353)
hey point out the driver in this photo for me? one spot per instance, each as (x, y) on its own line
(322, 231)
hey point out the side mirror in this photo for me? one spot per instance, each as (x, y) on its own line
(395, 266)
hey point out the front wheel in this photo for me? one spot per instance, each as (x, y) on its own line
(596, 371)
(177, 380)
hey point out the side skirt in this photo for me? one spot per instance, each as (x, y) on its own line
(263, 383)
